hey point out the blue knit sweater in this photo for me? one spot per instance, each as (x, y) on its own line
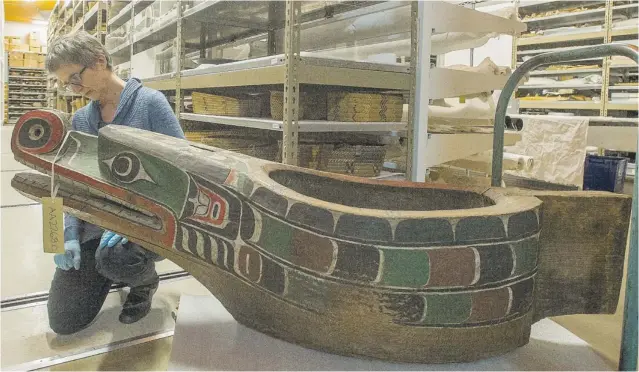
(139, 107)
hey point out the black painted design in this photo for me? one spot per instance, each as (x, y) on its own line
(207, 248)
(370, 229)
(192, 239)
(522, 224)
(247, 225)
(477, 229)
(273, 277)
(179, 238)
(424, 231)
(357, 262)
(270, 201)
(495, 263)
(313, 217)
(34, 133)
(404, 308)
(225, 255)
(522, 295)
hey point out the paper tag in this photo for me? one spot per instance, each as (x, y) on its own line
(53, 225)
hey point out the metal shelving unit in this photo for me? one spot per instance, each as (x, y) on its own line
(23, 93)
(206, 27)
(194, 32)
(601, 15)
(72, 16)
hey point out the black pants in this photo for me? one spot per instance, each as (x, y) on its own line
(76, 296)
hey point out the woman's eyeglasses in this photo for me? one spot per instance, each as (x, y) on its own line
(75, 80)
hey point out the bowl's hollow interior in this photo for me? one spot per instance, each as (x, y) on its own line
(374, 196)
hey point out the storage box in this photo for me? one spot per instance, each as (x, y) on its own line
(30, 63)
(19, 47)
(41, 64)
(13, 39)
(605, 173)
(31, 56)
(364, 107)
(16, 63)
(16, 55)
(34, 49)
(35, 43)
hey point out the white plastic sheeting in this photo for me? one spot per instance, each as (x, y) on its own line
(558, 145)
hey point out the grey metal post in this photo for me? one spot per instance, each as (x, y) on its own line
(291, 83)
(179, 53)
(418, 110)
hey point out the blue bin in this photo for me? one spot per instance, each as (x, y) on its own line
(605, 173)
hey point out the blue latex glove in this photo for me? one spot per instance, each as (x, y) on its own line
(110, 239)
(71, 256)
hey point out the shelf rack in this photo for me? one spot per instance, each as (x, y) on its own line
(601, 14)
(195, 30)
(26, 90)
(73, 16)
(200, 30)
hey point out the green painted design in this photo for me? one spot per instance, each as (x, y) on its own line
(448, 308)
(80, 159)
(526, 252)
(170, 184)
(276, 237)
(405, 268)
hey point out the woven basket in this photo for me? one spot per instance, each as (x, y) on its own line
(312, 106)
(211, 104)
(360, 107)
(357, 160)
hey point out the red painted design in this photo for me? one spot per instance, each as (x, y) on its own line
(231, 178)
(217, 209)
(58, 132)
(166, 236)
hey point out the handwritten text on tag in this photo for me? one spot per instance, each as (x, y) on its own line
(53, 225)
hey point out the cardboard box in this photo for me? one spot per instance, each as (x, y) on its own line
(19, 47)
(41, 57)
(41, 64)
(16, 56)
(43, 49)
(31, 56)
(33, 35)
(16, 63)
(35, 43)
(34, 49)
(30, 63)
(13, 39)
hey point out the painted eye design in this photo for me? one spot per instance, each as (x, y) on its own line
(126, 167)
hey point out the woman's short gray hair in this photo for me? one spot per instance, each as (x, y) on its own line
(75, 48)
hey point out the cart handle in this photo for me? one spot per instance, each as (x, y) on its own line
(604, 50)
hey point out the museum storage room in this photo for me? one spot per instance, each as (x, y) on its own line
(319, 185)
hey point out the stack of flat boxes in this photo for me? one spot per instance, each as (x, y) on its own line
(30, 54)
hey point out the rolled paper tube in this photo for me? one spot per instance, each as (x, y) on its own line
(481, 162)
(514, 123)
(523, 162)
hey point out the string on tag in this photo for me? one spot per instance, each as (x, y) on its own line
(54, 186)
